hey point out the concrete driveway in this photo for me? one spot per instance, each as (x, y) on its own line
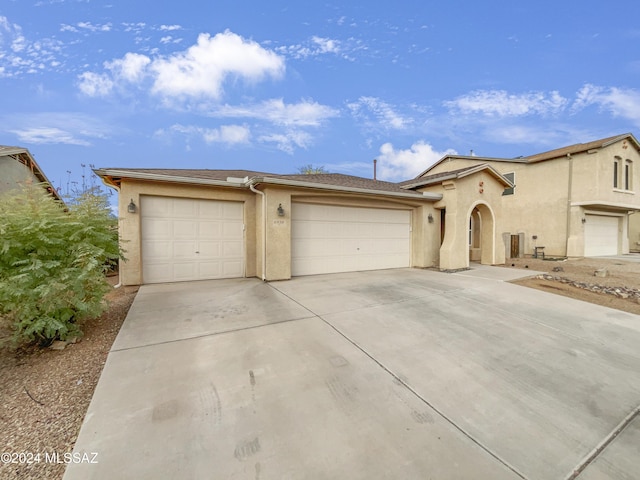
(388, 374)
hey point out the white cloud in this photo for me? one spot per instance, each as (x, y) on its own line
(288, 141)
(38, 135)
(130, 68)
(620, 102)
(170, 28)
(94, 28)
(200, 71)
(500, 103)
(306, 113)
(314, 47)
(384, 114)
(226, 134)
(94, 84)
(394, 165)
(19, 55)
(55, 128)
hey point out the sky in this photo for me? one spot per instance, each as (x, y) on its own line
(275, 86)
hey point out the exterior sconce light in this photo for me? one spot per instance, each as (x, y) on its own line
(430, 218)
(132, 208)
(280, 211)
(584, 220)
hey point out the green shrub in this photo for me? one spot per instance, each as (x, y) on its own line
(52, 262)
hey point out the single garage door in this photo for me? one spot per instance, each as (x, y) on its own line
(187, 239)
(331, 239)
(600, 235)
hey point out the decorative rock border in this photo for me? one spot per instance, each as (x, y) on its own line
(620, 292)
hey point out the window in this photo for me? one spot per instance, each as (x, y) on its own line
(511, 176)
(622, 174)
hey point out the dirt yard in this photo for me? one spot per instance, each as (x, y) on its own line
(44, 394)
(616, 290)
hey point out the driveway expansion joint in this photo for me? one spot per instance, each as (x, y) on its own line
(413, 391)
(601, 447)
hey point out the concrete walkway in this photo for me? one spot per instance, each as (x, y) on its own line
(388, 374)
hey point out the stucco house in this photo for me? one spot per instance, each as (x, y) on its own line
(180, 225)
(18, 167)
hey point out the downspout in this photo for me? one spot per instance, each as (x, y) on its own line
(569, 190)
(264, 230)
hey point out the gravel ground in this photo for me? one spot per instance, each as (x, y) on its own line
(44, 394)
(622, 274)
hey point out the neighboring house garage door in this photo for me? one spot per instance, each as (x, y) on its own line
(330, 239)
(186, 239)
(600, 235)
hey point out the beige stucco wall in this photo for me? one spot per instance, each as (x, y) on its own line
(634, 232)
(424, 235)
(460, 197)
(129, 223)
(552, 197)
(277, 250)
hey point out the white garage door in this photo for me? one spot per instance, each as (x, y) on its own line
(330, 239)
(187, 239)
(600, 235)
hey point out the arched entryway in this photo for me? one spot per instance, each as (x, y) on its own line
(481, 234)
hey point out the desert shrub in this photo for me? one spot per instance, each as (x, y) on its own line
(52, 262)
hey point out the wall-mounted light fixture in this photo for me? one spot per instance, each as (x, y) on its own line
(132, 208)
(584, 220)
(280, 211)
(430, 218)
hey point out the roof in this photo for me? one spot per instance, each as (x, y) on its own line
(540, 157)
(242, 178)
(23, 156)
(459, 173)
(580, 148)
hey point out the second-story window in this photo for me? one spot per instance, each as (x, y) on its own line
(627, 175)
(617, 170)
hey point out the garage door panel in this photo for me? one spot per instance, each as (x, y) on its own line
(601, 235)
(188, 239)
(330, 238)
(182, 250)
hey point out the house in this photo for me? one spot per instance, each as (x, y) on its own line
(18, 167)
(180, 225)
(574, 201)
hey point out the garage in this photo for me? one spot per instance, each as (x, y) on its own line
(332, 239)
(600, 235)
(187, 239)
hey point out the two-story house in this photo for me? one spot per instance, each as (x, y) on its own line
(573, 201)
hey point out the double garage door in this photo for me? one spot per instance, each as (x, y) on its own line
(601, 235)
(188, 239)
(331, 239)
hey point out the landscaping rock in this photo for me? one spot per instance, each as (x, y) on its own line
(601, 272)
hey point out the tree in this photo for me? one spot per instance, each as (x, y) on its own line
(311, 170)
(53, 260)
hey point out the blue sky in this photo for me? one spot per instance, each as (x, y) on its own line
(273, 86)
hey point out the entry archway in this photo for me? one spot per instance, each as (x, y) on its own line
(482, 233)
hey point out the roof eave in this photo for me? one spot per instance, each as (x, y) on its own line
(107, 173)
(324, 186)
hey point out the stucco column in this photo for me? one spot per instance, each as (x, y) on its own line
(278, 249)
(454, 249)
